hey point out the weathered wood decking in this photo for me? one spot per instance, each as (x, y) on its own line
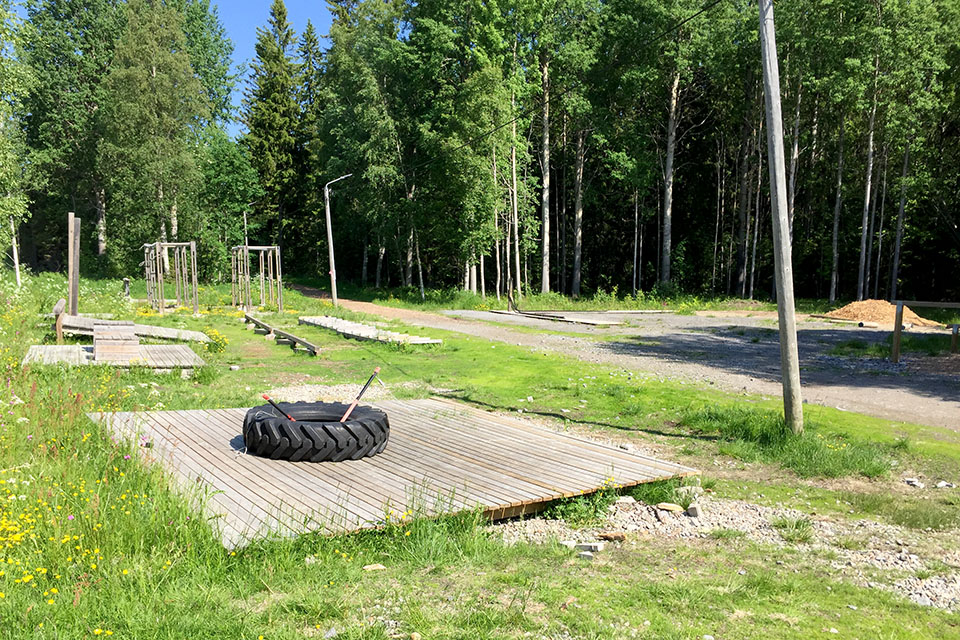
(442, 457)
(81, 325)
(153, 356)
(360, 331)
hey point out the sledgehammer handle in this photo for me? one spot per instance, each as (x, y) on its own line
(356, 401)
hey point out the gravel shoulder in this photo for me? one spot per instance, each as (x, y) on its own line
(734, 354)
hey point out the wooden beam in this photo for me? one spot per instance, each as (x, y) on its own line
(955, 338)
(75, 287)
(897, 330)
(193, 270)
(932, 305)
(58, 313)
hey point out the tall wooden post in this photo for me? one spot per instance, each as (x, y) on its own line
(789, 357)
(897, 332)
(246, 275)
(193, 271)
(279, 282)
(161, 298)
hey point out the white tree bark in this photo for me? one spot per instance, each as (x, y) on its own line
(514, 204)
(895, 268)
(794, 160)
(101, 203)
(668, 178)
(862, 273)
(16, 251)
(545, 197)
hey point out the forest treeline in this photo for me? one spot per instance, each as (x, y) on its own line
(558, 145)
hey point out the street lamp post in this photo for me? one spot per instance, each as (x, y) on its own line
(333, 265)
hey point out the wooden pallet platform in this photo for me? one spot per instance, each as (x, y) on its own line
(442, 457)
(81, 325)
(360, 331)
(153, 356)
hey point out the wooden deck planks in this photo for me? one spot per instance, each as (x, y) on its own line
(153, 356)
(442, 456)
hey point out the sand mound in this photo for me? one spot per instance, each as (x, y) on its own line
(879, 311)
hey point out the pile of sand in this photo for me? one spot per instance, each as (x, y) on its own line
(879, 311)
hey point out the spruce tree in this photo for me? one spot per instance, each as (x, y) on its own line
(270, 115)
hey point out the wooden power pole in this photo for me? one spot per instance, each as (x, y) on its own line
(333, 263)
(789, 357)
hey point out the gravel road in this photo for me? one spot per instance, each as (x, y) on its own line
(735, 354)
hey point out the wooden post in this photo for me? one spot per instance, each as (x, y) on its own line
(126, 287)
(193, 264)
(789, 356)
(270, 292)
(246, 275)
(75, 304)
(70, 258)
(279, 282)
(58, 319)
(146, 274)
(177, 272)
(897, 330)
(955, 338)
(233, 277)
(161, 298)
(262, 291)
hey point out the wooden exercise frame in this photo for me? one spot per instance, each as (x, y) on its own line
(183, 267)
(270, 275)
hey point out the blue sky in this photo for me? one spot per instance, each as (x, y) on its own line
(242, 17)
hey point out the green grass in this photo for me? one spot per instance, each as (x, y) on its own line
(795, 530)
(755, 435)
(136, 558)
(925, 344)
(938, 512)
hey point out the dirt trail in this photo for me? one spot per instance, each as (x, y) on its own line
(739, 355)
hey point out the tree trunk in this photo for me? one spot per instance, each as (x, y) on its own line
(16, 252)
(563, 209)
(483, 280)
(794, 158)
(514, 204)
(895, 269)
(380, 251)
(636, 238)
(873, 219)
(756, 217)
(862, 272)
(101, 203)
(716, 230)
(668, 178)
(423, 295)
(408, 267)
(578, 213)
(743, 205)
(364, 263)
(545, 199)
(835, 245)
(883, 201)
(496, 227)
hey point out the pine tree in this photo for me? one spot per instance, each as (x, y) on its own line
(270, 115)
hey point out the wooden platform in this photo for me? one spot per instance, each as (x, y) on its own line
(81, 325)
(153, 356)
(360, 331)
(442, 457)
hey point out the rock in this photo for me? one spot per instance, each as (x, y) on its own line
(832, 630)
(914, 482)
(669, 506)
(852, 607)
(374, 567)
(627, 447)
(331, 633)
(585, 555)
(415, 636)
(569, 544)
(269, 336)
(943, 484)
(707, 636)
(234, 367)
(590, 546)
(626, 500)
(612, 536)
(694, 510)
(250, 325)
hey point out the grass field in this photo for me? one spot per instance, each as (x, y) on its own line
(93, 544)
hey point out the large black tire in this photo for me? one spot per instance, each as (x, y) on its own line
(316, 435)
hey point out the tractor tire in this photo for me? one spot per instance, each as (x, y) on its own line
(316, 434)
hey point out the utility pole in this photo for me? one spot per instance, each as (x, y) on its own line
(333, 264)
(789, 357)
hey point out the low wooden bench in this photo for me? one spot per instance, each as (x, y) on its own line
(282, 337)
(59, 310)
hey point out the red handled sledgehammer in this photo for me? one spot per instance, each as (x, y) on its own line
(356, 401)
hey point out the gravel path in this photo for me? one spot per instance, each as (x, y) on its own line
(867, 553)
(735, 354)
